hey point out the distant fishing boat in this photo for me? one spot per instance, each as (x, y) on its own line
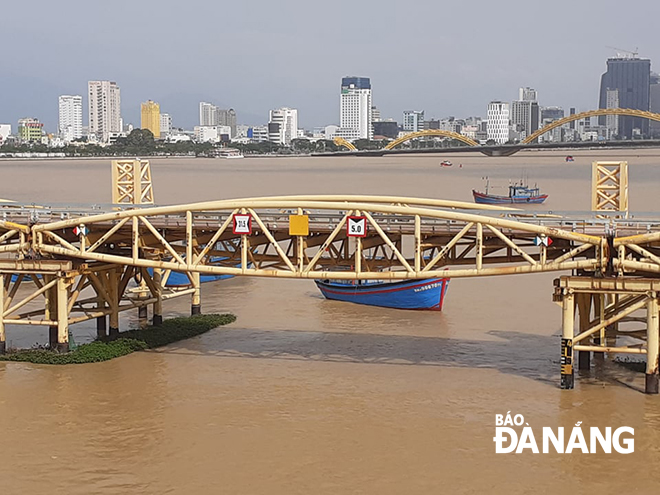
(518, 193)
(228, 153)
(406, 294)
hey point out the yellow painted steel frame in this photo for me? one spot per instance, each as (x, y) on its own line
(628, 112)
(131, 182)
(431, 132)
(340, 141)
(184, 238)
(609, 186)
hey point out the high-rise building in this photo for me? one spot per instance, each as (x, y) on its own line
(208, 114)
(498, 122)
(552, 113)
(30, 130)
(165, 124)
(283, 125)
(631, 76)
(150, 113)
(413, 120)
(375, 115)
(654, 104)
(525, 116)
(5, 132)
(612, 121)
(527, 94)
(104, 109)
(70, 117)
(355, 118)
(227, 118)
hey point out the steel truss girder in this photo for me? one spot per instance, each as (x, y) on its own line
(149, 237)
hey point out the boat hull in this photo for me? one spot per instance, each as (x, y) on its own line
(490, 199)
(426, 294)
(179, 279)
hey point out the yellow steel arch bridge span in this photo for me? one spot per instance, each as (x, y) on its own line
(86, 264)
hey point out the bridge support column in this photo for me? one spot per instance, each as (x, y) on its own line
(584, 315)
(62, 315)
(113, 285)
(652, 344)
(101, 327)
(143, 311)
(196, 307)
(158, 305)
(51, 311)
(568, 322)
(3, 337)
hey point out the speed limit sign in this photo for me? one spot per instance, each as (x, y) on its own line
(356, 227)
(242, 223)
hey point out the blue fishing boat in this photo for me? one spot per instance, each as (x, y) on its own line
(407, 294)
(180, 279)
(518, 193)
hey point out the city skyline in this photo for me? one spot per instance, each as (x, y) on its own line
(270, 67)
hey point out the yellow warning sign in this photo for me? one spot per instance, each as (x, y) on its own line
(298, 225)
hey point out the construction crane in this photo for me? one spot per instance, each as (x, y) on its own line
(621, 50)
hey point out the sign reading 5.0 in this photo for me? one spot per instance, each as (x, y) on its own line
(243, 223)
(356, 227)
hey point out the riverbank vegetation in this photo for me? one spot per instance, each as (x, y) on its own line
(170, 331)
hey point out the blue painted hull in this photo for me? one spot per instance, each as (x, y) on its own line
(491, 199)
(408, 294)
(178, 279)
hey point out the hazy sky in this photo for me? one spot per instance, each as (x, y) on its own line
(447, 58)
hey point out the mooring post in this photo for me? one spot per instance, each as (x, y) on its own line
(3, 337)
(62, 315)
(584, 315)
(196, 307)
(652, 345)
(158, 305)
(568, 322)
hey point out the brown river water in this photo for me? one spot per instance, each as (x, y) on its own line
(303, 395)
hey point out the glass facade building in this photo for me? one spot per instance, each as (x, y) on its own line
(631, 77)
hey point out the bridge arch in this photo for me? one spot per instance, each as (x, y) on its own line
(431, 132)
(628, 112)
(340, 141)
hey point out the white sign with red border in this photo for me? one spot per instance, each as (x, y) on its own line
(356, 227)
(242, 223)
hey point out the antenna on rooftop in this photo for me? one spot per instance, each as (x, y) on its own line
(629, 54)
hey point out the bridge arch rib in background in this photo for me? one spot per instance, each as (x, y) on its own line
(340, 141)
(432, 132)
(628, 112)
